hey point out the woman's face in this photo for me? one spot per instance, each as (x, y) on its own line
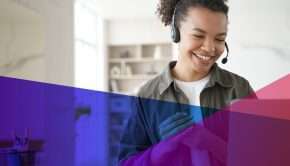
(202, 41)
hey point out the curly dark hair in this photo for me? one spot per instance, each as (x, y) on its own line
(165, 8)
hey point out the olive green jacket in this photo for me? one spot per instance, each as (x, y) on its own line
(222, 88)
(160, 98)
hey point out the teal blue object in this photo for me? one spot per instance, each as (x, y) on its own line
(196, 114)
(174, 124)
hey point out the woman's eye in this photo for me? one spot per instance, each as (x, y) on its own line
(198, 36)
(220, 40)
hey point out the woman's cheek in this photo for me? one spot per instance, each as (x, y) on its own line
(220, 49)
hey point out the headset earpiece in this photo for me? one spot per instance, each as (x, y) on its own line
(175, 34)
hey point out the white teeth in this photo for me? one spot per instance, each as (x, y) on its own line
(203, 57)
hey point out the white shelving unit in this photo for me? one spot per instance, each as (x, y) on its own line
(129, 67)
(132, 65)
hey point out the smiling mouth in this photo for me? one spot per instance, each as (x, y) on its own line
(203, 58)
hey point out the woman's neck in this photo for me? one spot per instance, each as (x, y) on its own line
(183, 73)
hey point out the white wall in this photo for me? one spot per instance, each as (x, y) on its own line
(21, 42)
(21, 50)
(259, 40)
(57, 34)
(126, 9)
(137, 31)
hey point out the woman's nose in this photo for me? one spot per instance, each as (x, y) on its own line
(208, 46)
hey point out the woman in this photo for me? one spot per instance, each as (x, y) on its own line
(200, 29)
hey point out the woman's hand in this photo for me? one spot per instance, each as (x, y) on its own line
(174, 124)
(179, 130)
(167, 129)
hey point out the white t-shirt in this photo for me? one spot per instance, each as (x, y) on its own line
(192, 91)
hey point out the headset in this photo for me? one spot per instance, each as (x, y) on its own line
(175, 36)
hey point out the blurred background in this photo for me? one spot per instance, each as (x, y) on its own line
(115, 46)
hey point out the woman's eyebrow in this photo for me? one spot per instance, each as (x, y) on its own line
(199, 30)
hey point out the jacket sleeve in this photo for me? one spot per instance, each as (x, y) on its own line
(135, 138)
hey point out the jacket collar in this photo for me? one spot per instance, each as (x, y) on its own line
(217, 77)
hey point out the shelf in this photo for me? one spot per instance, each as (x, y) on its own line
(138, 60)
(133, 77)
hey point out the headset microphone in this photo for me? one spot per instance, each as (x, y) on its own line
(225, 60)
